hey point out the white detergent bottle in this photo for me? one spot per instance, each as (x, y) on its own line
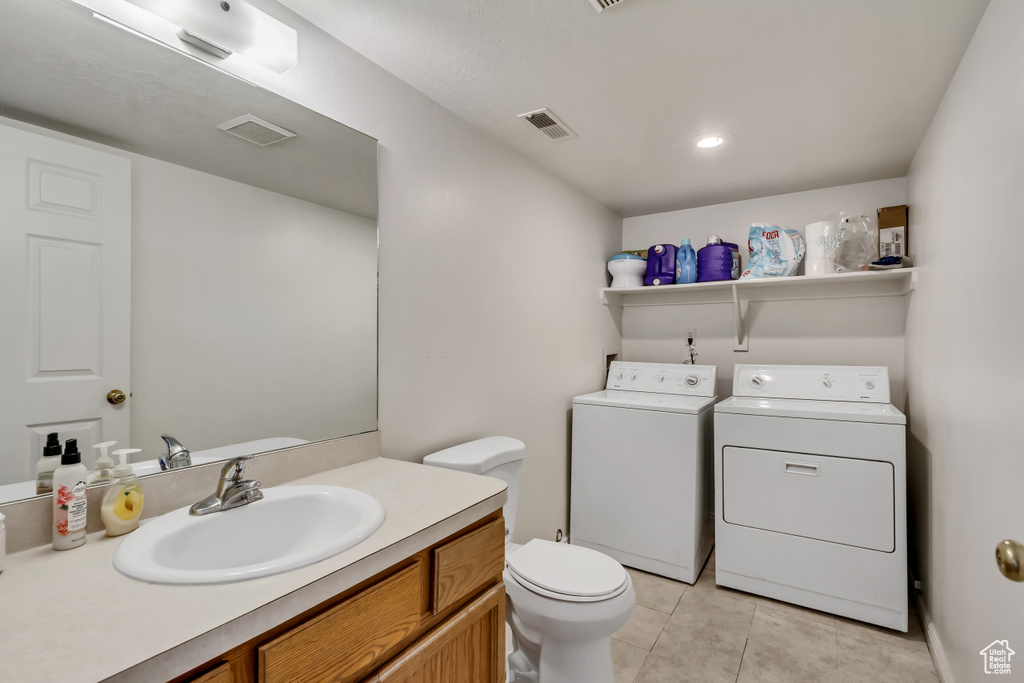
(69, 503)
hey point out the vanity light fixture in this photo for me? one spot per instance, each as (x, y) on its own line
(225, 27)
(709, 140)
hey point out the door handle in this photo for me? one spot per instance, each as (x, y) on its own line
(115, 397)
(809, 469)
(1010, 559)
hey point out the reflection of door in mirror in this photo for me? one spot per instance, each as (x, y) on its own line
(65, 232)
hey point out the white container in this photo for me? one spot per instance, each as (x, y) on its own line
(69, 502)
(819, 259)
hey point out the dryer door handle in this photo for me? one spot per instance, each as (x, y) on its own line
(808, 469)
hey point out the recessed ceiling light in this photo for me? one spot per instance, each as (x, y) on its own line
(709, 140)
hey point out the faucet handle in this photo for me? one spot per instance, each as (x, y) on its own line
(234, 469)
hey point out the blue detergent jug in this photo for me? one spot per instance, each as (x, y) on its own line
(686, 264)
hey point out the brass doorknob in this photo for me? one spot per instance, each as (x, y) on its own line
(116, 397)
(1010, 558)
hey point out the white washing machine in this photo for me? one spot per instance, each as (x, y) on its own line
(810, 490)
(642, 473)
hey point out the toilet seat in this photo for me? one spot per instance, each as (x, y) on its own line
(567, 573)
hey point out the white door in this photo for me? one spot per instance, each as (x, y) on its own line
(65, 249)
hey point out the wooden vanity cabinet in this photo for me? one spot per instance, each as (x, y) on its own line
(435, 617)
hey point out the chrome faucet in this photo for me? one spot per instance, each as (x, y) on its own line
(232, 490)
(177, 455)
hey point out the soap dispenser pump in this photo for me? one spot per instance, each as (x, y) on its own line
(104, 465)
(122, 503)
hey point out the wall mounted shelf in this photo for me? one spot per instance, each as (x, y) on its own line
(741, 292)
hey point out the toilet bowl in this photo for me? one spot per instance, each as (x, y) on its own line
(564, 602)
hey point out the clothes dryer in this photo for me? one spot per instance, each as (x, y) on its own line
(810, 490)
(642, 474)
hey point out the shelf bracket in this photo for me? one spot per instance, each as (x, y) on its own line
(739, 307)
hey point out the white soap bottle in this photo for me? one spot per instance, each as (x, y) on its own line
(46, 465)
(122, 503)
(104, 465)
(69, 503)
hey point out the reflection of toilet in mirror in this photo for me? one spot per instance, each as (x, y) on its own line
(564, 601)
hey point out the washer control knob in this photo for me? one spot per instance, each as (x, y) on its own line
(661, 378)
(757, 381)
(869, 385)
(692, 380)
(620, 376)
(827, 383)
(634, 376)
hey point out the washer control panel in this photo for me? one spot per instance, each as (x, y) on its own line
(662, 378)
(815, 382)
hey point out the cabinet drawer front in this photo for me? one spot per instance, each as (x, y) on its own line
(467, 564)
(469, 646)
(348, 639)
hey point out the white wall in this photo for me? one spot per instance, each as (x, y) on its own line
(963, 332)
(254, 314)
(861, 331)
(490, 320)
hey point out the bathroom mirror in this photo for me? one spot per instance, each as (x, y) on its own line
(253, 269)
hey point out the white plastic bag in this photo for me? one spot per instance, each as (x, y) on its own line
(859, 243)
(774, 251)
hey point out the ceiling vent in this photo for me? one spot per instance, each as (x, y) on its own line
(602, 5)
(549, 124)
(256, 130)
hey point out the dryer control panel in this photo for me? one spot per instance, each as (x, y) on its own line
(662, 378)
(868, 384)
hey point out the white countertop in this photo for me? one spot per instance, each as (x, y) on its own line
(70, 616)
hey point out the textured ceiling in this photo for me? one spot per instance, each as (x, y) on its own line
(815, 92)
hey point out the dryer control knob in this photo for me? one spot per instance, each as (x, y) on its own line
(692, 380)
(869, 385)
(827, 383)
(661, 378)
(757, 381)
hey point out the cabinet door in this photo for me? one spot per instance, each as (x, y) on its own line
(468, 648)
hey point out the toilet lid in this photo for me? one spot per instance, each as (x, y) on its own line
(568, 572)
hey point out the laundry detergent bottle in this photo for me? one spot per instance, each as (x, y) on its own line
(686, 264)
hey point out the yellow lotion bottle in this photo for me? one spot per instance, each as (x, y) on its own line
(122, 503)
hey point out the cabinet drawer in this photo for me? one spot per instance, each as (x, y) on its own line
(468, 564)
(348, 639)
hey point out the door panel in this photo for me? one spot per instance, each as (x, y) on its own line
(65, 249)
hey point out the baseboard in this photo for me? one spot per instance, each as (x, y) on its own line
(931, 634)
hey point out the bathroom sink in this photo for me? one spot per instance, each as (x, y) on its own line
(292, 527)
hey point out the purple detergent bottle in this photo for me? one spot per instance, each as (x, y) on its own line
(661, 265)
(717, 261)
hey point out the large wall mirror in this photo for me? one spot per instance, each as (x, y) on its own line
(227, 288)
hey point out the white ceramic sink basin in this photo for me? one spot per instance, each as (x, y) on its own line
(292, 527)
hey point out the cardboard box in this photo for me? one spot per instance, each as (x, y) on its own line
(893, 231)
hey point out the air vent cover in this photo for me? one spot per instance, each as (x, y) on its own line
(256, 130)
(602, 5)
(549, 124)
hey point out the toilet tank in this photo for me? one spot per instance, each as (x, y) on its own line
(495, 456)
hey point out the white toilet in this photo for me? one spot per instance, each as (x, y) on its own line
(564, 601)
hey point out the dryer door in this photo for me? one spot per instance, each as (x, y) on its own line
(839, 500)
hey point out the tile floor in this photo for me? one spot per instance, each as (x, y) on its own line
(680, 633)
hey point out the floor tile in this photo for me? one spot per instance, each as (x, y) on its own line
(643, 628)
(627, 660)
(658, 669)
(715, 611)
(784, 646)
(796, 610)
(656, 592)
(699, 653)
(864, 658)
(913, 638)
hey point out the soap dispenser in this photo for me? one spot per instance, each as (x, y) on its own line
(122, 503)
(104, 465)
